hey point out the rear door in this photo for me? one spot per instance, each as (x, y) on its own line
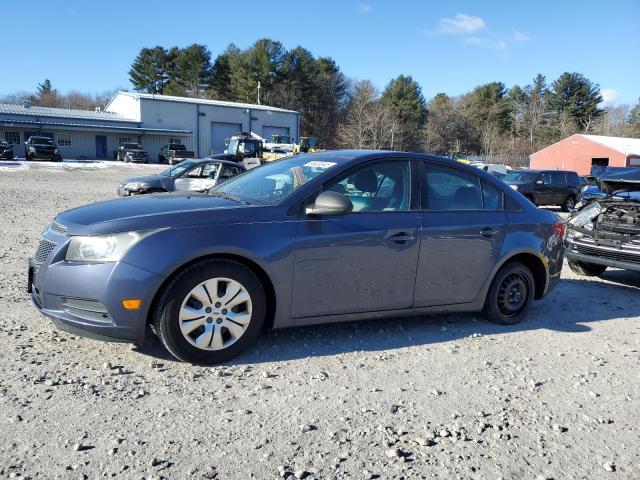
(463, 227)
(544, 191)
(559, 187)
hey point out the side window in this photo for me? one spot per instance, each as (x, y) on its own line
(377, 187)
(491, 197)
(546, 178)
(452, 189)
(557, 178)
(195, 173)
(209, 170)
(228, 172)
(574, 180)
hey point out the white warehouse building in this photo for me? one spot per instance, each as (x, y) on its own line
(152, 120)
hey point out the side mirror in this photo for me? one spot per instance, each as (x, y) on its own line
(539, 182)
(330, 203)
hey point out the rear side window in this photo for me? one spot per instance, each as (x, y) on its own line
(557, 178)
(491, 197)
(573, 179)
(452, 189)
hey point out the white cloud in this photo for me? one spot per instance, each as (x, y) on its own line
(521, 37)
(486, 43)
(365, 8)
(609, 96)
(461, 23)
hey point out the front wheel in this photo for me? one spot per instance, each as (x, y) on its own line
(210, 312)
(511, 294)
(587, 269)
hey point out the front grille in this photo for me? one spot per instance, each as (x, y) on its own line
(45, 247)
(58, 229)
(610, 254)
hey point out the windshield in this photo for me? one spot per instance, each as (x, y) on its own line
(520, 177)
(41, 141)
(135, 146)
(178, 169)
(275, 181)
(233, 146)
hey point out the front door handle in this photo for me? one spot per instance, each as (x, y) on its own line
(488, 231)
(401, 238)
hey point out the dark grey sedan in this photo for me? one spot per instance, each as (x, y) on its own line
(323, 237)
(188, 175)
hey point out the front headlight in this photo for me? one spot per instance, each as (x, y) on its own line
(135, 186)
(32, 149)
(583, 219)
(55, 150)
(104, 248)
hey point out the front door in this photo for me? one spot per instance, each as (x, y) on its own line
(364, 261)
(101, 147)
(463, 226)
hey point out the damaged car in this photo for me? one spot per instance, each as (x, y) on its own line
(606, 233)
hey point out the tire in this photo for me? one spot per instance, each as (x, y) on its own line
(587, 269)
(569, 203)
(510, 295)
(220, 338)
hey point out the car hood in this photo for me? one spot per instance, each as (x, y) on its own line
(627, 180)
(144, 178)
(155, 211)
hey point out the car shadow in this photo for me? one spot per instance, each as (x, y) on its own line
(570, 307)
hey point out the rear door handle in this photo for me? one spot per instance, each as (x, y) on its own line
(488, 231)
(401, 238)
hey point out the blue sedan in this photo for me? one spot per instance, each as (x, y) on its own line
(322, 237)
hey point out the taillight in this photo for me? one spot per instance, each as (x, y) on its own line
(559, 229)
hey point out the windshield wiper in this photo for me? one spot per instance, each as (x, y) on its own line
(226, 196)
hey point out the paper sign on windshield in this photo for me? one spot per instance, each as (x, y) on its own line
(319, 164)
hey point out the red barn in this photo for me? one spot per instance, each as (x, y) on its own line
(580, 152)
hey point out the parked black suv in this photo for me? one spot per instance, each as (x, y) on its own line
(41, 147)
(546, 187)
(6, 150)
(131, 152)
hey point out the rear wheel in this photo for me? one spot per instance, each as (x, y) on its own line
(210, 312)
(511, 294)
(569, 204)
(587, 269)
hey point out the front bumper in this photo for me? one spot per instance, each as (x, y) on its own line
(85, 299)
(625, 257)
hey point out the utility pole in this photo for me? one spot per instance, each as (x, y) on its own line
(258, 92)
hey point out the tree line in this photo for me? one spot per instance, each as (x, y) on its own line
(490, 120)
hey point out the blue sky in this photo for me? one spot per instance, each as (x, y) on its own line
(447, 46)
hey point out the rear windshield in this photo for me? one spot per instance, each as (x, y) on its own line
(520, 177)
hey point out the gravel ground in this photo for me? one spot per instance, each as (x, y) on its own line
(557, 396)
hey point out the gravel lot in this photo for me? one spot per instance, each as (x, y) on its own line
(557, 396)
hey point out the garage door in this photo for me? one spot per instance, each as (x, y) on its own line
(268, 130)
(220, 131)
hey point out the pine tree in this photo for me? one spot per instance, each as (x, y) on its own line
(150, 71)
(46, 95)
(575, 97)
(404, 98)
(192, 75)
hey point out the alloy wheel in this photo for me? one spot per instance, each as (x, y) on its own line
(215, 313)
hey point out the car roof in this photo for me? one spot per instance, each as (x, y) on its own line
(215, 160)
